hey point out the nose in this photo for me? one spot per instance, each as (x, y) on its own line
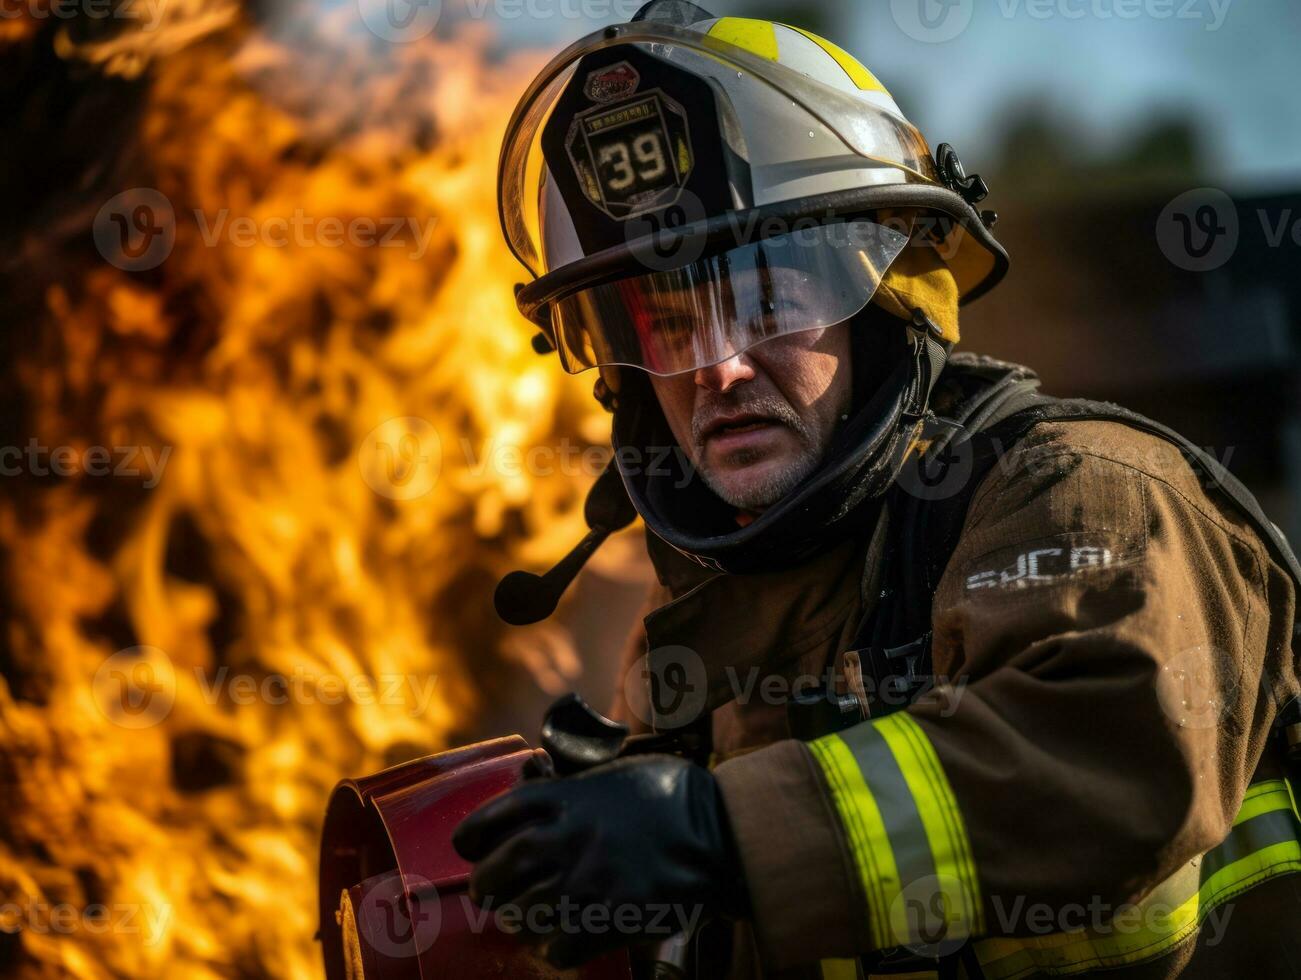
(725, 375)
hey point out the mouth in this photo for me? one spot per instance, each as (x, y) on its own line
(730, 426)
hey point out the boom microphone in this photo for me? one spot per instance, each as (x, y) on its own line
(523, 598)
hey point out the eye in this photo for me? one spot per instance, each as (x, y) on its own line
(673, 330)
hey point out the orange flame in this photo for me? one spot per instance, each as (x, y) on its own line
(293, 586)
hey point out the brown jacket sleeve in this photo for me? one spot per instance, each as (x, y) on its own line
(1115, 646)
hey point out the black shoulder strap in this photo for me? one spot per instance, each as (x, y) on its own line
(984, 407)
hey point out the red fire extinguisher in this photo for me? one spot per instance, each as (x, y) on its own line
(394, 897)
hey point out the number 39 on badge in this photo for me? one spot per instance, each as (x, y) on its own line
(631, 155)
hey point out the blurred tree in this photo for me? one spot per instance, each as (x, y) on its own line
(1042, 151)
(823, 19)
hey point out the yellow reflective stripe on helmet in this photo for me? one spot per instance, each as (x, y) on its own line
(905, 832)
(756, 36)
(855, 69)
(1264, 843)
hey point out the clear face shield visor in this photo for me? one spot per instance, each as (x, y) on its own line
(703, 313)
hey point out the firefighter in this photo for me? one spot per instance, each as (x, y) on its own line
(991, 684)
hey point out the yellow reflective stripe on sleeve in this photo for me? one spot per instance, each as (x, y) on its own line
(941, 818)
(1263, 798)
(1264, 843)
(905, 832)
(756, 36)
(839, 969)
(861, 819)
(855, 69)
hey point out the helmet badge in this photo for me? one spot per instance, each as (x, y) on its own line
(613, 83)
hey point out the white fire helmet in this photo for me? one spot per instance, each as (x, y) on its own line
(683, 187)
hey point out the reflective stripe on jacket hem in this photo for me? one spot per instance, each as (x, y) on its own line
(1265, 842)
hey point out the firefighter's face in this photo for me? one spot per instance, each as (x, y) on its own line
(757, 424)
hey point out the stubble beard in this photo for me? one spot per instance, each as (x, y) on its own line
(758, 493)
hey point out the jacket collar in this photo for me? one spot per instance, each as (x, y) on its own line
(723, 635)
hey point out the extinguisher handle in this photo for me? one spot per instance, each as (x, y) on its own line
(578, 737)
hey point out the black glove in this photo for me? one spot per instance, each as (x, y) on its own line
(646, 837)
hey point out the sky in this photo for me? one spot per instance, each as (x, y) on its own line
(958, 66)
